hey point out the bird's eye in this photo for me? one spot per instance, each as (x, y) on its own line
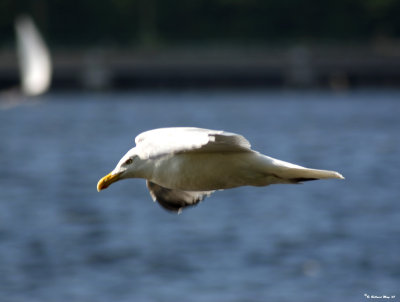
(128, 161)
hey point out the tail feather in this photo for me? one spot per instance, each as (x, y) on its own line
(297, 173)
(319, 174)
(305, 174)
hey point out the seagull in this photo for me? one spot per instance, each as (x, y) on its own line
(183, 165)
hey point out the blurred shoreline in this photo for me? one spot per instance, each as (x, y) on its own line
(337, 68)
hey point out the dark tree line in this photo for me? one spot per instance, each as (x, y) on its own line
(162, 22)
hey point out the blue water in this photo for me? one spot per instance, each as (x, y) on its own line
(332, 240)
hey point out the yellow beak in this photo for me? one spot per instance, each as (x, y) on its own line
(107, 180)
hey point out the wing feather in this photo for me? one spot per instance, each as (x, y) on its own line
(159, 142)
(175, 200)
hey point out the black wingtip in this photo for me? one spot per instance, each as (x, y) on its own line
(301, 179)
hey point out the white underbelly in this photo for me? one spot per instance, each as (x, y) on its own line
(208, 171)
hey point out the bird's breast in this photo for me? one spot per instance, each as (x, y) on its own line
(202, 171)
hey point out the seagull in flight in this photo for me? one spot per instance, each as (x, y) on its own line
(183, 165)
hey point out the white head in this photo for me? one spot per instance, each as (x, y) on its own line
(129, 166)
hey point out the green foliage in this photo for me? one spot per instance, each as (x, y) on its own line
(151, 22)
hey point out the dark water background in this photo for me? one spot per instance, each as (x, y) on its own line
(329, 240)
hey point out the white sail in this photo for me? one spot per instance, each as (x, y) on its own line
(34, 58)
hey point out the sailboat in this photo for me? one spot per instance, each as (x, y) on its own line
(33, 57)
(34, 65)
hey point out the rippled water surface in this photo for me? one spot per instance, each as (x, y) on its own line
(61, 240)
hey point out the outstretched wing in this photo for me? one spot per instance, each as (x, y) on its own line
(175, 200)
(159, 142)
